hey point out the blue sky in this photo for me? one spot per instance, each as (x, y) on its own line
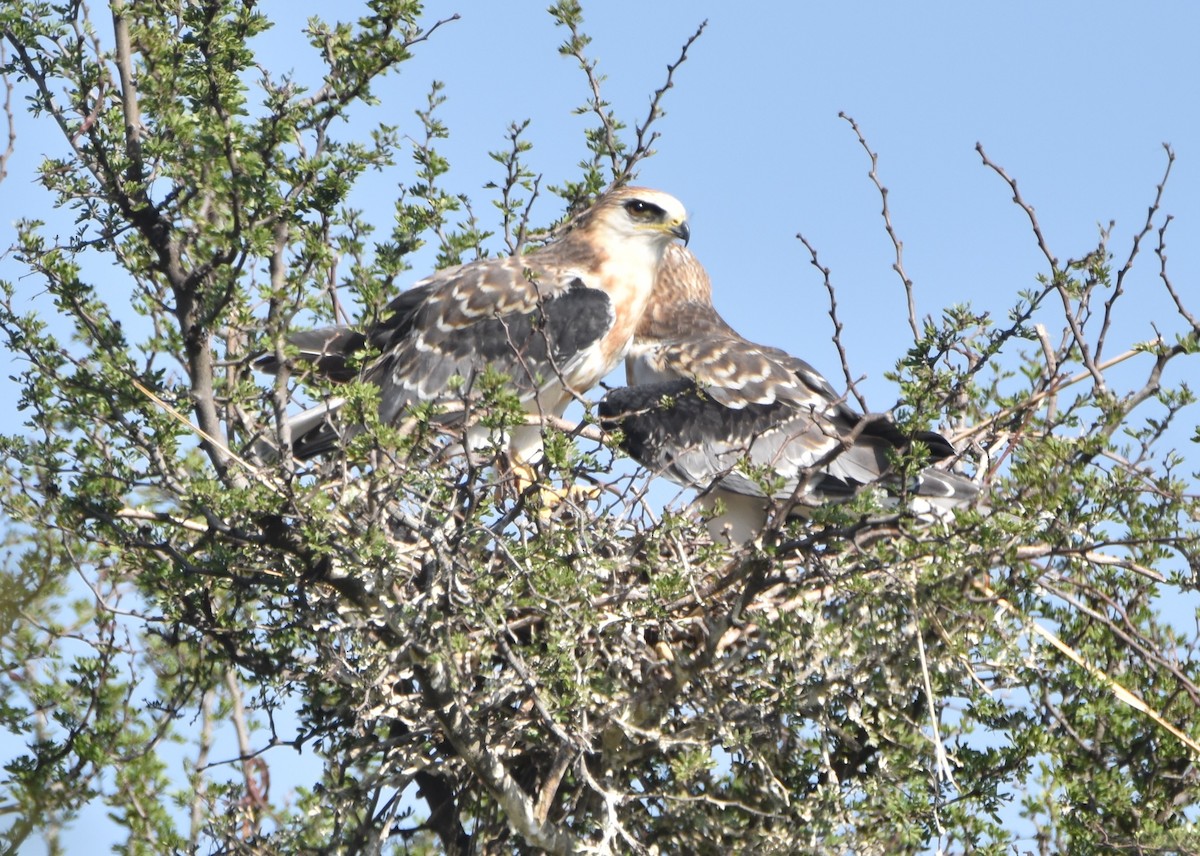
(1074, 99)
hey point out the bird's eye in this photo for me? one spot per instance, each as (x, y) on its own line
(640, 209)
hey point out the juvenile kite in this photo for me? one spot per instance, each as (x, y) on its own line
(750, 426)
(554, 321)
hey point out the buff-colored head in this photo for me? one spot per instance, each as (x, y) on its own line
(638, 212)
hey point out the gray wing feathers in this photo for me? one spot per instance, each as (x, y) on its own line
(813, 452)
(512, 315)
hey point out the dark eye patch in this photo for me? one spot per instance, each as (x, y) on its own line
(640, 209)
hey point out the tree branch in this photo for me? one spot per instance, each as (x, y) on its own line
(851, 384)
(898, 264)
(9, 119)
(123, 53)
(473, 746)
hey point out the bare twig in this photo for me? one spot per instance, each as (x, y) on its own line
(642, 148)
(898, 265)
(1119, 286)
(1026, 207)
(851, 385)
(1161, 252)
(1057, 275)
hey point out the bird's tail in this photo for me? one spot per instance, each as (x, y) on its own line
(312, 432)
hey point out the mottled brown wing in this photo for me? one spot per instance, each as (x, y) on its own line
(516, 316)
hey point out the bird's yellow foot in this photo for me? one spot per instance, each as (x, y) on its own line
(548, 498)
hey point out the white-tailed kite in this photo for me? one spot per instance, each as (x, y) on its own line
(554, 321)
(752, 427)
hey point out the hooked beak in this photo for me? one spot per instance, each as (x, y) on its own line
(683, 232)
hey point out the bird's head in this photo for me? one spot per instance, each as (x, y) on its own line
(639, 212)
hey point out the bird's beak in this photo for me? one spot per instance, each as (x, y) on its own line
(682, 232)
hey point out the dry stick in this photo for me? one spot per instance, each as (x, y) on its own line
(642, 146)
(1051, 369)
(939, 750)
(898, 265)
(1120, 692)
(837, 325)
(1161, 252)
(195, 429)
(1121, 628)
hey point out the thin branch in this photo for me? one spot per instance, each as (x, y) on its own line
(9, 118)
(1035, 398)
(1026, 207)
(574, 47)
(898, 265)
(1119, 286)
(335, 100)
(1057, 275)
(851, 385)
(1161, 252)
(642, 148)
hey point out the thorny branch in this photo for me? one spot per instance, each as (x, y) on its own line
(898, 265)
(643, 147)
(1119, 285)
(851, 383)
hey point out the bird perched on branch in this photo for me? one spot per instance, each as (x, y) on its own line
(752, 427)
(554, 321)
